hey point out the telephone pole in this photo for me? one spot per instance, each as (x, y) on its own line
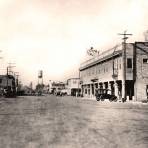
(124, 64)
(9, 68)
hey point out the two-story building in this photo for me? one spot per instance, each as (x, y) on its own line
(73, 86)
(7, 82)
(57, 86)
(122, 69)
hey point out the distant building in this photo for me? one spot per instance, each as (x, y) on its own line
(73, 86)
(7, 82)
(108, 70)
(57, 86)
(27, 90)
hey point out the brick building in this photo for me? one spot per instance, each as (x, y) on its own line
(107, 70)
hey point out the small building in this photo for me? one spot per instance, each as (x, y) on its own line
(7, 82)
(57, 86)
(73, 86)
(125, 73)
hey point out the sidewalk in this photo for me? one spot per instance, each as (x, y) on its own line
(118, 101)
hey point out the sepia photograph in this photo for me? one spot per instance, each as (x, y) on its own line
(73, 73)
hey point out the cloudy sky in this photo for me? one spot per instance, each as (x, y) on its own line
(53, 35)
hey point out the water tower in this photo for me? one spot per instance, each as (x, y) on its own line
(40, 77)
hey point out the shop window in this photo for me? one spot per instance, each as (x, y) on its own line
(85, 91)
(129, 63)
(145, 61)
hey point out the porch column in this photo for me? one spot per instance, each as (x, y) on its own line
(103, 85)
(82, 90)
(94, 89)
(109, 87)
(116, 89)
(90, 85)
(96, 86)
(123, 90)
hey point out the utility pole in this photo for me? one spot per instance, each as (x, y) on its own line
(9, 67)
(8, 71)
(16, 75)
(124, 64)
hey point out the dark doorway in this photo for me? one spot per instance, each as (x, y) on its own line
(130, 89)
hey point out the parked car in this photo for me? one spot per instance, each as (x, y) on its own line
(102, 94)
(58, 93)
(64, 92)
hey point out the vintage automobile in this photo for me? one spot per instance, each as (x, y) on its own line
(102, 94)
(64, 92)
(58, 93)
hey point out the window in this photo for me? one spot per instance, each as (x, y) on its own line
(145, 61)
(129, 63)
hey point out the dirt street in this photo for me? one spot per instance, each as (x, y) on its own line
(68, 122)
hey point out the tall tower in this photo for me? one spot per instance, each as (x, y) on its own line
(40, 77)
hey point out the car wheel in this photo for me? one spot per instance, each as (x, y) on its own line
(98, 99)
(101, 98)
(115, 99)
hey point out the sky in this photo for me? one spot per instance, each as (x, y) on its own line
(54, 35)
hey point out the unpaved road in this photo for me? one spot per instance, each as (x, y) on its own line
(55, 122)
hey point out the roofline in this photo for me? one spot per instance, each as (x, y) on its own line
(72, 78)
(116, 54)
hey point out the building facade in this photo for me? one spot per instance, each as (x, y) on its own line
(7, 82)
(56, 87)
(122, 69)
(73, 86)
